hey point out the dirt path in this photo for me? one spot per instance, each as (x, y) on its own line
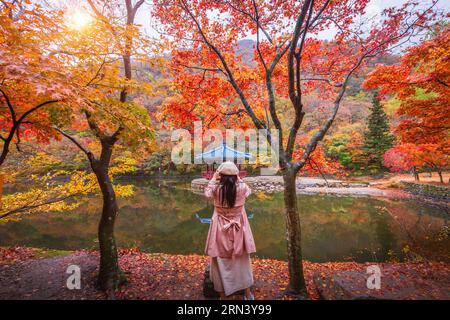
(46, 278)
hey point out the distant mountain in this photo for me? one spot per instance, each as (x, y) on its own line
(246, 49)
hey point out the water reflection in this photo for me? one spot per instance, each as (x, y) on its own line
(160, 217)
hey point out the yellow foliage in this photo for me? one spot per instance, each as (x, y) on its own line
(123, 164)
(49, 197)
(124, 191)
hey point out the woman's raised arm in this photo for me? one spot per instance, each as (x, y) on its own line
(210, 189)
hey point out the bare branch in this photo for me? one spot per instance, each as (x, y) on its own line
(202, 68)
(258, 26)
(230, 113)
(442, 82)
(115, 135)
(39, 106)
(97, 73)
(101, 16)
(88, 153)
(312, 162)
(93, 125)
(10, 106)
(337, 85)
(295, 91)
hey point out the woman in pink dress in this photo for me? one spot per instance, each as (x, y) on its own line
(230, 241)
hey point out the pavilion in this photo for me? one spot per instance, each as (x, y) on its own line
(221, 154)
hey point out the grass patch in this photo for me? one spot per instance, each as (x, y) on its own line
(44, 253)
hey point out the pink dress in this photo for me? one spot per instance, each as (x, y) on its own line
(230, 242)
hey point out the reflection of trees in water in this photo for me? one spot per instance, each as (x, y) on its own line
(53, 231)
(384, 234)
(187, 237)
(161, 219)
(154, 217)
(207, 210)
(423, 231)
(335, 228)
(170, 234)
(268, 225)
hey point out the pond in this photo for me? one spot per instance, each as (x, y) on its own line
(160, 217)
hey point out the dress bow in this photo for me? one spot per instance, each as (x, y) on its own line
(232, 223)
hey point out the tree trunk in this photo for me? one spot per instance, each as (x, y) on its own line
(110, 276)
(416, 174)
(296, 285)
(441, 178)
(4, 152)
(6, 145)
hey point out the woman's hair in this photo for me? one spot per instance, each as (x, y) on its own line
(228, 190)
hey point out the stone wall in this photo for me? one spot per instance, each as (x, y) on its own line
(428, 190)
(272, 184)
(198, 185)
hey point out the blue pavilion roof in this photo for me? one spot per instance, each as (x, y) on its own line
(223, 152)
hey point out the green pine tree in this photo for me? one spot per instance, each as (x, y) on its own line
(378, 138)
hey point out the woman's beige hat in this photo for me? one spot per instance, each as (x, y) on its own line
(228, 168)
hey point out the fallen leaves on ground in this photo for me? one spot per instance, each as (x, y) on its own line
(14, 255)
(165, 276)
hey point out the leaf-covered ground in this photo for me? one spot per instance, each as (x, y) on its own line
(29, 274)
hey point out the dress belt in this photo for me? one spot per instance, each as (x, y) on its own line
(229, 212)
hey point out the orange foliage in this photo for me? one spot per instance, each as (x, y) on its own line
(422, 84)
(33, 78)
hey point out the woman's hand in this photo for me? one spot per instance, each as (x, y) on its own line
(216, 176)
